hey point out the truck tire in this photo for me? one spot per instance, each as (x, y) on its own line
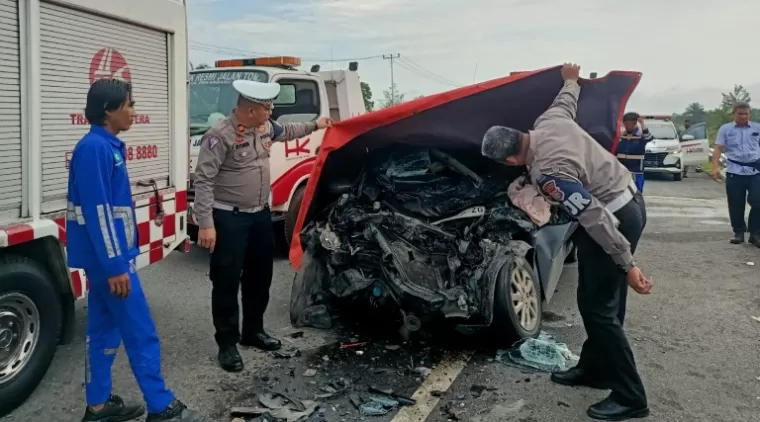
(517, 302)
(678, 176)
(292, 215)
(30, 326)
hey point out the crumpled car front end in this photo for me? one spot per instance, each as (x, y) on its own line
(421, 234)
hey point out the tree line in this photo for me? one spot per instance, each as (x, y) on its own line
(715, 118)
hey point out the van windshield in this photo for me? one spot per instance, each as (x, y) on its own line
(212, 96)
(661, 130)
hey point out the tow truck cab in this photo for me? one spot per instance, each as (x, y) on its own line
(669, 154)
(304, 97)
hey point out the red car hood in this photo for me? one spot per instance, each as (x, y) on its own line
(457, 120)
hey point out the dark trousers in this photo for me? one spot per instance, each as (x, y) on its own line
(742, 190)
(242, 260)
(602, 293)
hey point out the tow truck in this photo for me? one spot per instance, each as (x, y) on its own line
(304, 97)
(51, 53)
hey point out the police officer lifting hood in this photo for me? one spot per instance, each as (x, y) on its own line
(570, 168)
(232, 189)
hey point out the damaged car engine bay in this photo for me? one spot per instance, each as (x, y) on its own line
(419, 236)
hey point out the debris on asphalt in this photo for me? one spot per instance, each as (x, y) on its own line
(406, 401)
(279, 407)
(477, 390)
(287, 353)
(310, 372)
(751, 264)
(422, 371)
(437, 393)
(562, 404)
(352, 345)
(453, 411)
(297, 334)
(756, 318)
(392, 347)
(544, 353)
(378, 406)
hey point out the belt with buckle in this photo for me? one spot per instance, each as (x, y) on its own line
(616, 204)
(225, 207)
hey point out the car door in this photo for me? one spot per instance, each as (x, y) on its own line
(551, 246)
(694, 145)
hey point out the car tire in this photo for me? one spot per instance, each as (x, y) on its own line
(292, 215)
(678, 177)
(515, 318)
(30, 309)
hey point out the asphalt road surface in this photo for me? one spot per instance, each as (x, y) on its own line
(694, 338)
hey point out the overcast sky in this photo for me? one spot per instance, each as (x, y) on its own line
(687, 50)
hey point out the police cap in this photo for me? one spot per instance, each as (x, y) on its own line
(262, 93)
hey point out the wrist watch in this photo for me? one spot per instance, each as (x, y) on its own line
(627, 267)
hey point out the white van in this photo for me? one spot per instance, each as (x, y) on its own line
(669, 154)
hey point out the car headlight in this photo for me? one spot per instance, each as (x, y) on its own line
(673, 150)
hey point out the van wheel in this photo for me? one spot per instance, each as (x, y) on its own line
(30, 326)
(292, 215)
(517, 302)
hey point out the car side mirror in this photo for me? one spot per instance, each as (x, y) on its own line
(685, 138)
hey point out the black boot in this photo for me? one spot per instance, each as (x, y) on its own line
(737, 239)
(261, 340)
(610, 410)
(754, 239)
(176, 412)
(229, 359)
(114, 410)
(577, 377)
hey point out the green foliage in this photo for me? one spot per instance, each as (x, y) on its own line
(392, 96)
(715, 118)
(367, 96)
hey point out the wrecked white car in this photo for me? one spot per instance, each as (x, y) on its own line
(408, 223)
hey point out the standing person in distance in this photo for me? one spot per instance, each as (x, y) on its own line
(232, 189)
(570, 168)
(102, 239)
(740, 141)
(632, 146)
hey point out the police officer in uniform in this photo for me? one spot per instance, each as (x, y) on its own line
(570, 168)
(632, 145)
(232, 189)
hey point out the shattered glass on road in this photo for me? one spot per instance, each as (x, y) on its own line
(420, 234)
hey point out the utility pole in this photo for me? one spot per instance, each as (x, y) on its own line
(392, 57)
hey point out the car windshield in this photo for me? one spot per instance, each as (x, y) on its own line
(662, 130)
(212, 96)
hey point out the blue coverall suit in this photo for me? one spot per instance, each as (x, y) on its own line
(630, 153)
(102, 240)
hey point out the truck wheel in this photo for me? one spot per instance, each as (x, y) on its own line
(292, 215)
(678, 177)
(30, 325)
(517, 302)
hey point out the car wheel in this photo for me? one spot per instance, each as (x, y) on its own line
(292, 216)
(30, 326)
(517, 301)
(678, 176)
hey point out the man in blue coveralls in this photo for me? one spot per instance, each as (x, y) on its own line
(102, 239)
(633, 142)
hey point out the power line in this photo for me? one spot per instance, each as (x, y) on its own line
(428, 76)
(210, 48)
(431, 74)
(392, 57)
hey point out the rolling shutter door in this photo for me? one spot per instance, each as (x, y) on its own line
(79, 48)
(10, 111)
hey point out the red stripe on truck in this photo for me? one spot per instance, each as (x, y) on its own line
(284, 185)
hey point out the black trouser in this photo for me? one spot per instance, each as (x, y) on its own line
(242, 260)
(602, 293)
(740, 190)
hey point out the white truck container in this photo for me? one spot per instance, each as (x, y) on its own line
(50, 54)
(304, 97)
